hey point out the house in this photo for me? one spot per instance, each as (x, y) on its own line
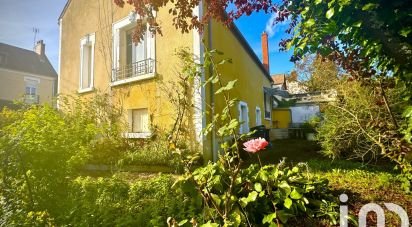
(294, 86)
(97, 54)
(26, 75)
(295, 106)
(279, 81)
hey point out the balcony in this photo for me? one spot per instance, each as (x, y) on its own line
(31, 99)
(132, 72)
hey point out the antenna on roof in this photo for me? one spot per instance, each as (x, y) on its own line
(35, 31)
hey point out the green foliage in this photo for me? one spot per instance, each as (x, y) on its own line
(39, 151)
(42, 149)
(104, 120)
(357, 125)
(115, 202)
(370, 40)
(363, 183)
(159, 151)
(311, 125)
(154, 152)
(407, 127)
(286, 103)
(317, 73)
(352, 32)
(270, 194)
(230, 194)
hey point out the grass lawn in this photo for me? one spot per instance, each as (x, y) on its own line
(363, 183)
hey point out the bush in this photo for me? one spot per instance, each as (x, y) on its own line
(271, 194)
(41, 150)
(358, 124)
(150, 152)
(115, 202)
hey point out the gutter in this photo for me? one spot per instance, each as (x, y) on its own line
(63, 11)
(235, 31)
(212, 94)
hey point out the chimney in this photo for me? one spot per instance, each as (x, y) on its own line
(265, 51)
(40, 48)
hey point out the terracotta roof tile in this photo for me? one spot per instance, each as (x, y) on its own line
(279, 78)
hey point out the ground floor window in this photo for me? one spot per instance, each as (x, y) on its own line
(258, 116)
(31, 91)
(139, 121)
(268, 104)
(243, 118)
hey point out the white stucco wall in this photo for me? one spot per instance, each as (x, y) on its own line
(301, 114)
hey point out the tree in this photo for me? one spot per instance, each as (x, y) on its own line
(184, 18)
(366, 37)
(317, 73)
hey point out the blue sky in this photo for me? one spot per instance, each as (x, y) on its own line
(252, 28)
(17, 19)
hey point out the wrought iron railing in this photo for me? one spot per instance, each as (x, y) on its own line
(133, 70)
(31, 99)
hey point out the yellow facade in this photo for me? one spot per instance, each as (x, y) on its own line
(88, 17)
(281, 118)
(13, 84)
(81, 18)
(250, 76)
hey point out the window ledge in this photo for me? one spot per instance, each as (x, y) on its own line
(132, 79)
(85, 90)
(137, 135)
(268, 119)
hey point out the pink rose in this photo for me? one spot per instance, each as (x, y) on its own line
(255, 145)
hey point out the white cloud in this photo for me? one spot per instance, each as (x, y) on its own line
(272, 28)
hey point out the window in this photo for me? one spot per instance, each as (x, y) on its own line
(268, 104)
(243, 118)
(86, 63)
(30, 94)
(140, 120)
(30, 90)
(135, 52)
(139, 123)
(258, 116)
(131, 61)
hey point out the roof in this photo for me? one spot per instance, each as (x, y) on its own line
(249, 50)
(28, 61)
(279, 78)
(64, 10)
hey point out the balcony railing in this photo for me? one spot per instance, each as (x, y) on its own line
(136, 69)
(31, 99)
